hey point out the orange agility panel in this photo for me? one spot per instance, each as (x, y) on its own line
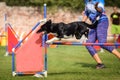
(29, 57)
(12, 39)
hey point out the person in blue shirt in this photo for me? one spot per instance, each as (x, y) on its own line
(94, 10)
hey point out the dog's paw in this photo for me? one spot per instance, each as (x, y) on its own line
(49, 42)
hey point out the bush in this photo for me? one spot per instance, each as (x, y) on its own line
(71, 4)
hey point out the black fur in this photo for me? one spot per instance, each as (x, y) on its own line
(77, 28)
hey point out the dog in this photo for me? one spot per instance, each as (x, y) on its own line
(63, 30)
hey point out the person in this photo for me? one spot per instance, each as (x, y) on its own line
(94, 10)
(115, 19)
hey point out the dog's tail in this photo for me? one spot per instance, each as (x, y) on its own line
(94, 25)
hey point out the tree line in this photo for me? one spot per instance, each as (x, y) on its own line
(71, 4)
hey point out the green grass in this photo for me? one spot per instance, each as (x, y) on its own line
(68, 63)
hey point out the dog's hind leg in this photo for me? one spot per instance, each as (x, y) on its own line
(52, 40)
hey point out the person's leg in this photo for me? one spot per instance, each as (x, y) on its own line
(114, 31)
(102, 38)
(116, 53)
(97, 58)
(92, 51)
(118, 35)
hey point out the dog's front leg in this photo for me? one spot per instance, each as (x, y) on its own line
(52, 40)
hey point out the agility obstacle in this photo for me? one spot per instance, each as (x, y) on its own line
(12, 39)
(87, 44)
(3, 39)
(30, 57)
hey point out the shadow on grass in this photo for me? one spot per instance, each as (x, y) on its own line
(63, 73)
(86, 65)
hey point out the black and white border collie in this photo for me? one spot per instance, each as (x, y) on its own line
(63, 30)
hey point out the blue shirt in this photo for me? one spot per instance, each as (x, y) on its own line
(92, 13)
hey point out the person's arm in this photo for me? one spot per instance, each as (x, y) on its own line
(111, 17)
(84, 19)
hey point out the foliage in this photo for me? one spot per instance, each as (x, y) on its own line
(112, 3)
(71, 4)
(68, 3)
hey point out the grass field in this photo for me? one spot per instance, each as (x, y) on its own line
(68, 63)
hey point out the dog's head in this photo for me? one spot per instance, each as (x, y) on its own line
(45, 27)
